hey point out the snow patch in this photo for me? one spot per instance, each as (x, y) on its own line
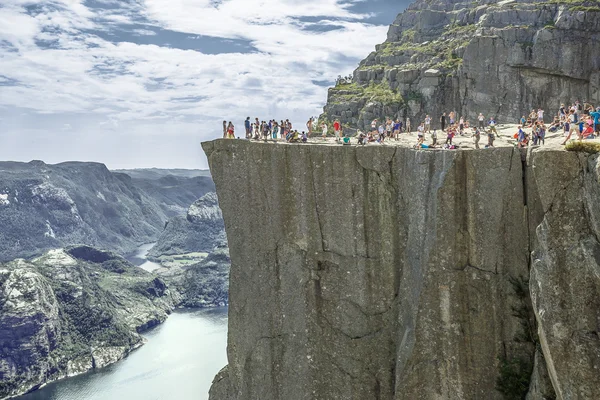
(4, 199)
(49, 230)
(100, 196)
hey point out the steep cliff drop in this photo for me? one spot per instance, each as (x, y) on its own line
(497, 57)
(389, 273)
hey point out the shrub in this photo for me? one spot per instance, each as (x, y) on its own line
(583, 147)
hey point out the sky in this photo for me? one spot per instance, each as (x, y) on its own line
(141, 83)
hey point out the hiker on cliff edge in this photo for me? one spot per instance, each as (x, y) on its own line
(443, 122)
(337, 128)
(248, 127)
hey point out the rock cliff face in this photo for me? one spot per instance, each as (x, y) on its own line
(71, 311)
(388, 273)
(500, 58)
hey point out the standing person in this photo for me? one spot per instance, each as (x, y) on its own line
(443, 122)
(434, 138)
(337, 128)
(421, 132)
(596, 116)
(407, 125)
(224, 129)
(562, 113)
(461, 126)
(324, 129)
(450, 135)
(452, 120)
(477, 137)
(542, 135)
(481, 120)
(397, 128)
(248, 127)
(491, 138)
(230, 131)
(309, 125)
(389, 128)
(427, 123)
(492, 125)
(381, 131)
(374, 125)
(540, 115)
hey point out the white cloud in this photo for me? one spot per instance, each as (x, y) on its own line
(76, 70)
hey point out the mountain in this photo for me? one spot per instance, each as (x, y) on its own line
(50, 206)
(199, 231)
(173, 189)
(73, 310)
(194, 254)
(499, 58)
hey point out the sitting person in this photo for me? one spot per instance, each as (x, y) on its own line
(588, 132)
(361, 138)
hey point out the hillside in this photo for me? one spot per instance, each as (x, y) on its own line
(73, 310)
(499, 58)
(50, 206)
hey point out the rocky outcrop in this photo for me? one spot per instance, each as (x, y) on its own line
(200, 231)
(71, 311)
(499, 58)
(389, 273)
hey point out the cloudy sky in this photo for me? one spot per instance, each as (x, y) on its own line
(140, 83)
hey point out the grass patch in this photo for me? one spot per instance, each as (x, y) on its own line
(583, 147)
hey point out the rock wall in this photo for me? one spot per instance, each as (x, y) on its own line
(384, 273)
(500, 58)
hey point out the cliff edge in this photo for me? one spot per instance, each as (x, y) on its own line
(390, 273)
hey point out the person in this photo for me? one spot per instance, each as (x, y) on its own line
(481, 120)
(407, 125)
(337, 128)
(477, 137)
(596, 116)
(309, 125)
(420, 134)
(523, 120)
(540, 115)
(427, 123)
(443, 122)
(452, 118)
(542, 135)
(381, 131)
(492, 125)
(397, 128)
(434, 138)
(572, 124)
(248, 127)
(389, 128)
(374, 124)
(224, 129)
(324, 129)
(304, 136)
(588, 132)
(450, 135)
(230, 131)
(562, 112)
(361, 138)
(461, 126)
(265, 130)
(275, 130)
(491, 138)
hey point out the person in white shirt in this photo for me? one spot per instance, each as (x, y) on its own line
(427, 124)
(481, 119)
(540, 114)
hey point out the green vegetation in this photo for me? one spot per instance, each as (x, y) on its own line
(374, 92)
(455, 29)
(515, 377)
(584, 147)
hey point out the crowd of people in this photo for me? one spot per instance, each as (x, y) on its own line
(583, 120)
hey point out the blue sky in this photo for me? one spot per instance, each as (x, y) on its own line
(140, 83)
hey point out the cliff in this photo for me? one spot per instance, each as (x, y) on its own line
(70, 311)
(389, 273)
(499, 58)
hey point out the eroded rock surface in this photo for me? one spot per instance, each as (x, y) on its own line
(500, 58)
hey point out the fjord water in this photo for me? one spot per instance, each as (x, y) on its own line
(178, 362)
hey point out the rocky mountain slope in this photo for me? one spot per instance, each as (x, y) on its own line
(193, 251)
(199, 231)
(391, 273)
(172, 189)
(70, 311)
(50, 206)
(499, 58)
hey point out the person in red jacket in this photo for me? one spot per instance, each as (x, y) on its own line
(337, 127)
